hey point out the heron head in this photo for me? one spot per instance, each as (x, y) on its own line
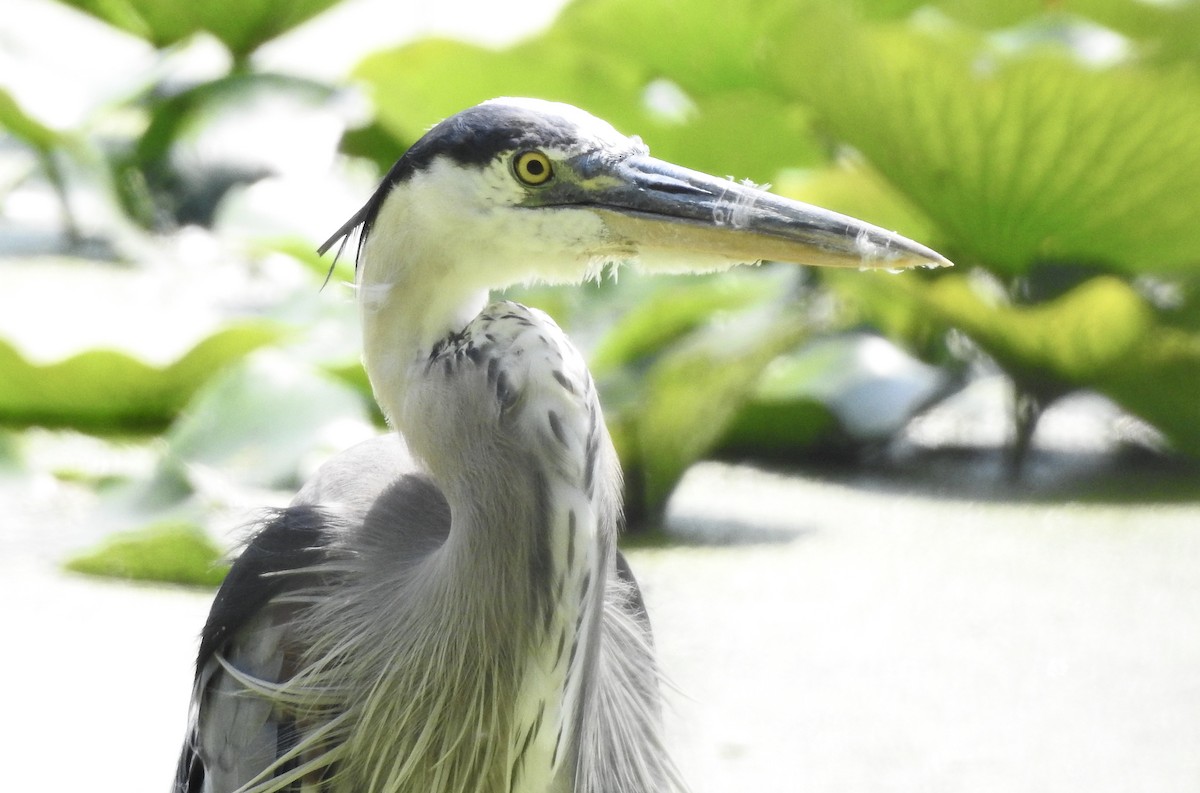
(519, 190)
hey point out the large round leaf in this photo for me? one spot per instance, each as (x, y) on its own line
(1019, 158)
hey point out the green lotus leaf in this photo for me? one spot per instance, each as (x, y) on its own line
(109, 390)
(241, 25)
(1019, 158)
(693, 392)
(1101, 335)
(171, 552)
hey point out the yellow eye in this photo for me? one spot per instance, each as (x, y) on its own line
(533, 168)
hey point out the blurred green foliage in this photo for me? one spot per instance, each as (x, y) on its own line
(108, 390)
(1022, 139)
(241, 25)
(1051, 149)
(21, 125)
(177, 553)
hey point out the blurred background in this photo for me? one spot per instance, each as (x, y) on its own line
(915, 532)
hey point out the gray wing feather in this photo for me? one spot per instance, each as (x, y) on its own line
(238, 735)
(623, 749)
(373, 492)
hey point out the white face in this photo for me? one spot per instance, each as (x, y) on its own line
(475, 225)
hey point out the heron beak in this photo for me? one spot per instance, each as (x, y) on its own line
(655, 205)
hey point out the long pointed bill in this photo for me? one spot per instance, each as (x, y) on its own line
(657, 205)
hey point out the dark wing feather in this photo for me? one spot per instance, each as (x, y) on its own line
(370, 492)
(293, 539)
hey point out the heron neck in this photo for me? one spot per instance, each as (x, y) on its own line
(535, 551)
(499, 407)
(500, 538)
(403, 318)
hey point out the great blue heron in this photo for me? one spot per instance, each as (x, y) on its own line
(444, 610)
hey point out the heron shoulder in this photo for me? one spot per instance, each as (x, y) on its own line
(354, 477)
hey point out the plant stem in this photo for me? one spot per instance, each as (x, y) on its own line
(1027, 408)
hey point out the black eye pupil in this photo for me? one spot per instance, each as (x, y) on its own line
(535, 167)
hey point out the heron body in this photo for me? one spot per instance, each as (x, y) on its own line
(444, 610)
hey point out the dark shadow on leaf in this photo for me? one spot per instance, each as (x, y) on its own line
(696, 531)
(1126, 476)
